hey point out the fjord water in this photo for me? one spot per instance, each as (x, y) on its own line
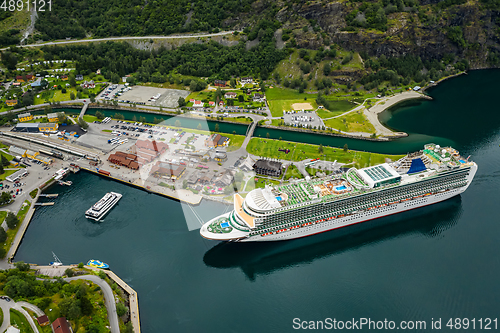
(434, 262)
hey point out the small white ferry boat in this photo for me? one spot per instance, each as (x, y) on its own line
(103, 206)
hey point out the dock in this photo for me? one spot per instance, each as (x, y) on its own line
(44, 203)
(54, 195)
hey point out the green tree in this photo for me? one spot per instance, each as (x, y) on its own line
(142, 119)
(99, 115)
(241, 98)
(82, 123)
(277, 78)
(72, 95)
(232, 83)
(80, 265)
(72, 80)
(181, 101)
(2, 171)
(193, 85)
(216, 128)
(134, 119)
(22, 266)
(69, 272)
(5, 161)
(199, 126)
(346, 148)
(262, 86)
(184, 184)
(47, 109)
(102, 275)
(327, 69)
(61, 117)
(320, 149)
(119, 116)
(267, 135)
(121, 309)
(3, 235)
(5, 197)
(44, 303)
(11, 220)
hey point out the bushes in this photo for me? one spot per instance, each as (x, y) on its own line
(11, 220)
(34, 193)
(121, 309)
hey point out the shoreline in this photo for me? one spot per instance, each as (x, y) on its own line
(194, 203)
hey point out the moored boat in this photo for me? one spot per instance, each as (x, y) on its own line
(97, 264)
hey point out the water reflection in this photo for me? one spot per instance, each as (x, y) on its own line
(264, 258)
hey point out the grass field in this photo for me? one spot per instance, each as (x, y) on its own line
(354, 122)
(300, 151)
(6, 174)
(19, 320)
(278, 106)
(11, 233)
(293, 172)
(286, 94)
(236, 141)
(336, 108)
(8, 156)
(89, 119)
(58, 96)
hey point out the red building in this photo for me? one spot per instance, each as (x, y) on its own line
(219, 83)
(61, 325)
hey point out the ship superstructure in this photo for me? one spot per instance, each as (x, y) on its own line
(312, 206)
(103, 206)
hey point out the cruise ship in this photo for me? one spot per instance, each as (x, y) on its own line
(312, 206)
(97, 211)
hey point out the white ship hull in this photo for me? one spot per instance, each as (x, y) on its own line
(364, 216)
(105, 210)
(357, 218)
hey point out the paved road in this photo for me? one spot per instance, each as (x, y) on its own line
(109, 299)
(6, 306)
(124, 38)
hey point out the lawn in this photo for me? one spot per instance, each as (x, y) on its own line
(58, 96)
(8, 156)
(352, 122)
(278, 106)
(336, 108)
(11, 233)
(236, 141)
(6, 174)
(19, 320)
(300, 151)
(293, 172)
(285, 94)
(3, 215)
(90, 119)
(260, 183)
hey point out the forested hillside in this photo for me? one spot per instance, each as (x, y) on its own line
(426, 28)
(70, 18)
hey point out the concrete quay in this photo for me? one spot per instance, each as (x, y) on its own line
(133, 179)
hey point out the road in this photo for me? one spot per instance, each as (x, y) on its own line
(109, 299)
(6, 306)
(124, 38)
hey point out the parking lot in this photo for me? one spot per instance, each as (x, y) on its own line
(141, 95)
(304, 118)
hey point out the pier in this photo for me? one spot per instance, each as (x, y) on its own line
(54, 195)
(44, 203)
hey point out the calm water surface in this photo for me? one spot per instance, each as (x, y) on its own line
(435, 262)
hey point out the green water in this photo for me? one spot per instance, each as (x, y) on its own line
(434, 262)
